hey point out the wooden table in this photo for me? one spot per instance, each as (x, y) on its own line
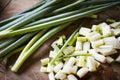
(30, 69)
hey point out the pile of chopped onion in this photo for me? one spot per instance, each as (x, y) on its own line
(84, 52)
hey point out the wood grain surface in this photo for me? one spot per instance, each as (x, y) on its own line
(11, 7)
(30, 69)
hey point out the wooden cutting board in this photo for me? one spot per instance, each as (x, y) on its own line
(30, 69)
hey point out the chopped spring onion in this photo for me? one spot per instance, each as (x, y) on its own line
(45, 61)
(71, 77)
(118, 59)
(96, 48)
(82, 72)
(60, 51)
(110, 20)
(75, 55)
(44, 20)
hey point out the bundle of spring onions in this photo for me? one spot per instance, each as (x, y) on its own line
(82, 52)
(27, 31)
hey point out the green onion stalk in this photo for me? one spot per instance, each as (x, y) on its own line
(6, 21)
(37, 44)
(55, 22)
(34, 14)
(16, 44)
(59, 53)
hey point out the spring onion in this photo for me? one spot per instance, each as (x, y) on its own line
(69, 62)
(60, 51)
(44, 20)
(36, 45)
(50, 24)
(7, 42)
(16, 44)
(3, 22)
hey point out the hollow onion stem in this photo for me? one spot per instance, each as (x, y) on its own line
(63, 47)
(45, 37)
(55, 22)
